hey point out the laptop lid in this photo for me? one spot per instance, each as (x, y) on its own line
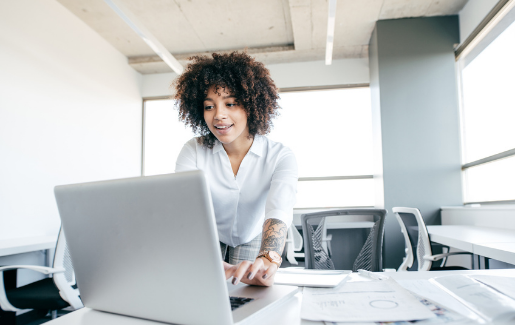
(147, 247)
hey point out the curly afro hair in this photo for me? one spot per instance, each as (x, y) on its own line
(237, 73)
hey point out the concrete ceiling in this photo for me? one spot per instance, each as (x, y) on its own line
(274, 31)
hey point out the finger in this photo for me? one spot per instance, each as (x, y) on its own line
(229, 271)
(240, 271)
(226, 265)
(270, 271)
(256, 266)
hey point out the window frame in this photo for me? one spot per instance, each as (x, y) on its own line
(496, 21)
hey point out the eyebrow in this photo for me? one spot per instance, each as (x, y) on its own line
(225, 97)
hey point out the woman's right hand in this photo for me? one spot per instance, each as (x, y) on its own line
(258, 273)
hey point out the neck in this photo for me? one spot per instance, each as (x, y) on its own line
(238, 148)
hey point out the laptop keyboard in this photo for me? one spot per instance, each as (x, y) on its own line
(237, 302)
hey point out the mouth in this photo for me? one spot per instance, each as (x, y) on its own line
(223, 129)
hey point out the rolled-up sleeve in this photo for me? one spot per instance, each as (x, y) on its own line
(283, 189)
(187, 159)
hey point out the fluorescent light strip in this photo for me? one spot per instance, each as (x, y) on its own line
(330, 32)
(145, 35)
(477, 36)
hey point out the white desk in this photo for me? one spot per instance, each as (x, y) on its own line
(495, 243)
(25, 245)
(288, 313)
(504, 252)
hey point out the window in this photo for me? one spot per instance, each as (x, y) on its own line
(163, 138)
(488, 112)
(330, 132)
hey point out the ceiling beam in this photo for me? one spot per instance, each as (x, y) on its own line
(268, 55)
(302, 25)
(185, 56)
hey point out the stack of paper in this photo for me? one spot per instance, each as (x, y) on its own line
(309, 278)
(502, 284)
(487, 303)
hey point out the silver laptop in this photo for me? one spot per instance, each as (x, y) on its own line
(148, 247)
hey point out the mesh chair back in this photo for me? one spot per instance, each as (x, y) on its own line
(62, 258)
(370, 257)
(318, 257)
(415, 233)
(65, 281)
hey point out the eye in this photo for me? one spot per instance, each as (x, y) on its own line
(208, 107)
(231, 104)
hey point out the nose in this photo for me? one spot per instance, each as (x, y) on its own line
(221, 113)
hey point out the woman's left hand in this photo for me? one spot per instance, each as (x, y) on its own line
(260, 273)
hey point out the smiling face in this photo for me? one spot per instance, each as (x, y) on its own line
(225, 117)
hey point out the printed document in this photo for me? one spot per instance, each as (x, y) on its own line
(363, 301)
(432, 292)
(443, 317)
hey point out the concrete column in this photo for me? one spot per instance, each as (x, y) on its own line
(416, 120)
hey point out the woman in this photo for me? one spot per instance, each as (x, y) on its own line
(230, 100)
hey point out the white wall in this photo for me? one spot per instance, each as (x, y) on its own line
(472, 14)
(70, 111)
(497, 216)
(286, 75)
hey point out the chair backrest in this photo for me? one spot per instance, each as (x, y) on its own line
(370, 257)
(414, 230)
(65, 281)
(297, 239)
(62, 258)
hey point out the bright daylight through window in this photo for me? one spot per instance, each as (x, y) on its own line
(330, 132)
(488, 85)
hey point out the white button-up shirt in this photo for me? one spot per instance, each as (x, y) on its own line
(265, 186)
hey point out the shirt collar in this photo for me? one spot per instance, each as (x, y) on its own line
(217, 147)
(257, 145)
(256, 148)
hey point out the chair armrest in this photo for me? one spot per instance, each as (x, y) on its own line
(40, 269)
(440, 256)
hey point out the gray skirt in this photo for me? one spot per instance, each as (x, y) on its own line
(244, 252)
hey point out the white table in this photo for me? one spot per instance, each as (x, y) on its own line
(288, 313)
(495, 243)
(24, 245)
(28, 244)
(504, 252)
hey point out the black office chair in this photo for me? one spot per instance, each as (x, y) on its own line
(414, 230)
(54, 293)
(370, 257)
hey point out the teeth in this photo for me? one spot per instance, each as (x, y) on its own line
(223, 127)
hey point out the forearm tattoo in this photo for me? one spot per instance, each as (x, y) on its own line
(274, 236)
